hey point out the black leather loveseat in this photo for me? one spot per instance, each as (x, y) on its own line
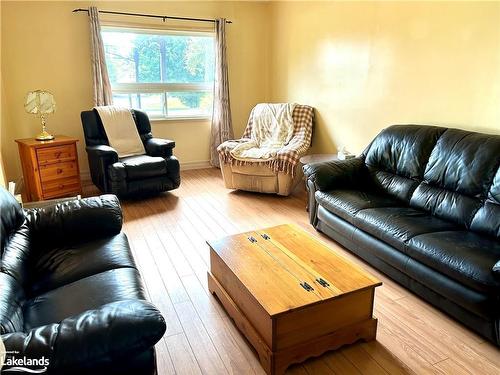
(422, 204)
(70, 294)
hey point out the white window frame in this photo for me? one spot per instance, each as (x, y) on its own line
(161, 88)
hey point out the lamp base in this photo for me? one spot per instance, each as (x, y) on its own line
(44, 136)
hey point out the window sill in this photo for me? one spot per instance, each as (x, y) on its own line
(180, 119)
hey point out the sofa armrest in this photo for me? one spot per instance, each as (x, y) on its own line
(75, 221)
(329, 175)
(159, 147)
(103, 151)
(336, 173)
(92, 339)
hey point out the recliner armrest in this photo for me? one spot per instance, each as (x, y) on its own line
(75, 221)
(92, 339)
(336, 173)
(159, 147)
(103, 151)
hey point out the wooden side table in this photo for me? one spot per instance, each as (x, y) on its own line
(50, 168)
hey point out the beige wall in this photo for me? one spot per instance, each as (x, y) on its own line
(3, 115)
(362, 65)
(365, 65)
(46, 46)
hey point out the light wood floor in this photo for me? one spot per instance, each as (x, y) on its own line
(168, 235)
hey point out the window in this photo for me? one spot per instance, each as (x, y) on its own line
(168, 74)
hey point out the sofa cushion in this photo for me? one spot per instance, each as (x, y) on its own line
(487, 218)
(347, 203)
(462, 255)
(445, 204)
(391, 184)
(397, 158)
(464, 161)
(460, 171)
(403, 149)
(85, 294)
(138, 167)
(397, 225)
(61, 266)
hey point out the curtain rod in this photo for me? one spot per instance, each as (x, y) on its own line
(164, 18)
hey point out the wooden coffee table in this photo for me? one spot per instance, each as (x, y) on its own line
(291, 295)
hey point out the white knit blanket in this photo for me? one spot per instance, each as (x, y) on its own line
(272, 129)
(121, 130)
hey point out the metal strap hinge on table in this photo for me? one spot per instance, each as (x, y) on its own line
(322, 282)
(306, 286)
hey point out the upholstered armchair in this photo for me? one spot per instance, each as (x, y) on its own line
(278, 176)
(154, 172)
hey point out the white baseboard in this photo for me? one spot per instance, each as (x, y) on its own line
(202, 164)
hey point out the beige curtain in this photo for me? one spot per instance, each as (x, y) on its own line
(102, 87)
(222, 127)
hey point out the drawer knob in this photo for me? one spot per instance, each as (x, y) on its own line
(58, 154)
(59, 170)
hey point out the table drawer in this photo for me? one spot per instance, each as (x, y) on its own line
(60, 188)
(55, 154)
(50, 172)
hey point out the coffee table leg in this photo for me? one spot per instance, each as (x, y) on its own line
(371, 332)
(267, 363)
(272, 365)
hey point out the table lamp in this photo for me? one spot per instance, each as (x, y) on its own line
(41, 103)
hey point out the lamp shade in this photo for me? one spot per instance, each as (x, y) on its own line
(40, 102)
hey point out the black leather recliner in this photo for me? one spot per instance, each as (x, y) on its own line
(131, 176)
(70, 292)
(422, 204)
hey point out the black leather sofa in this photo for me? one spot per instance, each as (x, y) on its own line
(131, 176)
(421, 204)
(70, 292)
